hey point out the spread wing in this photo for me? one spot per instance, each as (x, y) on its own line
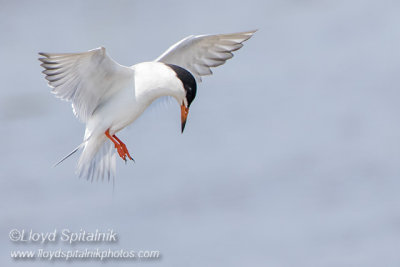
(199, 53)
(85, 79)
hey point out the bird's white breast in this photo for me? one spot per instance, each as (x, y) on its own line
(150, 80)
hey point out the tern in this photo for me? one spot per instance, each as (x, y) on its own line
(107, 96)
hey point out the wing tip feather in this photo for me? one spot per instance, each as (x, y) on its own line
(44, 54)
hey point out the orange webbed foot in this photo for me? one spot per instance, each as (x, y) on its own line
(123, 147)
(120, 146)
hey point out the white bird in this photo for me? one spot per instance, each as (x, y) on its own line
(108, 96)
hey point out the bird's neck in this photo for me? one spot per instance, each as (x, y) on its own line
(154, 80)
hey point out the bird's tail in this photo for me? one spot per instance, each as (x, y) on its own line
(97, 161)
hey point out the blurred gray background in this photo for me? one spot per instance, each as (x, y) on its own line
(291, 152)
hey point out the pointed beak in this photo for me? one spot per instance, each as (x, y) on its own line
(184, 113)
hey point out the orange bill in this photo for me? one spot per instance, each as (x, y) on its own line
(184, 113)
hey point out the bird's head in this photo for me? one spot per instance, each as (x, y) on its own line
(189, 86)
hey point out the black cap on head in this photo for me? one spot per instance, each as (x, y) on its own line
(188, 81)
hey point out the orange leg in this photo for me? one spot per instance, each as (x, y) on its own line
(119, 145)
(125, 149)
